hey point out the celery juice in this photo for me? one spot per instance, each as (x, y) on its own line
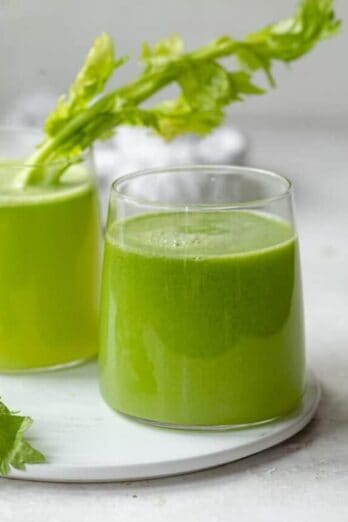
(202, 318)
(49, 272)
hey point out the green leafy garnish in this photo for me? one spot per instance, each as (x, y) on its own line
(15, 451)
(206, 87)
(90, 81)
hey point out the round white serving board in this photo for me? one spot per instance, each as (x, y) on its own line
(84, 441)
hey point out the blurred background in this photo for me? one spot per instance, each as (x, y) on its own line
(42, 44)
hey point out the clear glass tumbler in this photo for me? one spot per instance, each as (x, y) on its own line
(202, 316)
(50, 257)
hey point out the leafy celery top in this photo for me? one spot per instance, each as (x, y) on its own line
(86, 114)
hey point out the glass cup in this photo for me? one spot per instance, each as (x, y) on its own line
(49, 263)
(201, 315)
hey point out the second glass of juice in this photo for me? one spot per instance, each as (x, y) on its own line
(202, 318)
(50, 240)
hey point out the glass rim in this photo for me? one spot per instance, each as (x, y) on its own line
(19, 163)
(232, 169)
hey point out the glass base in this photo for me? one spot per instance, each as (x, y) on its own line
(46, 369)
(213, 427)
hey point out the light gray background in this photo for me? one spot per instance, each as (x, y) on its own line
(42, 43)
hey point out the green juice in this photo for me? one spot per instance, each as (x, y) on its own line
(49, 273)
(202, 320)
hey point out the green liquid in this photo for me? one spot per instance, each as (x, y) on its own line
(49, 274)
(202, 320)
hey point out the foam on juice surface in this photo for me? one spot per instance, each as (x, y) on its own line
(200, 233)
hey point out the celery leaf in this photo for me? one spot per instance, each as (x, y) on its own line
(15, 451)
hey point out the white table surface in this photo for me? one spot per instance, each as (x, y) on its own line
(305, 478)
